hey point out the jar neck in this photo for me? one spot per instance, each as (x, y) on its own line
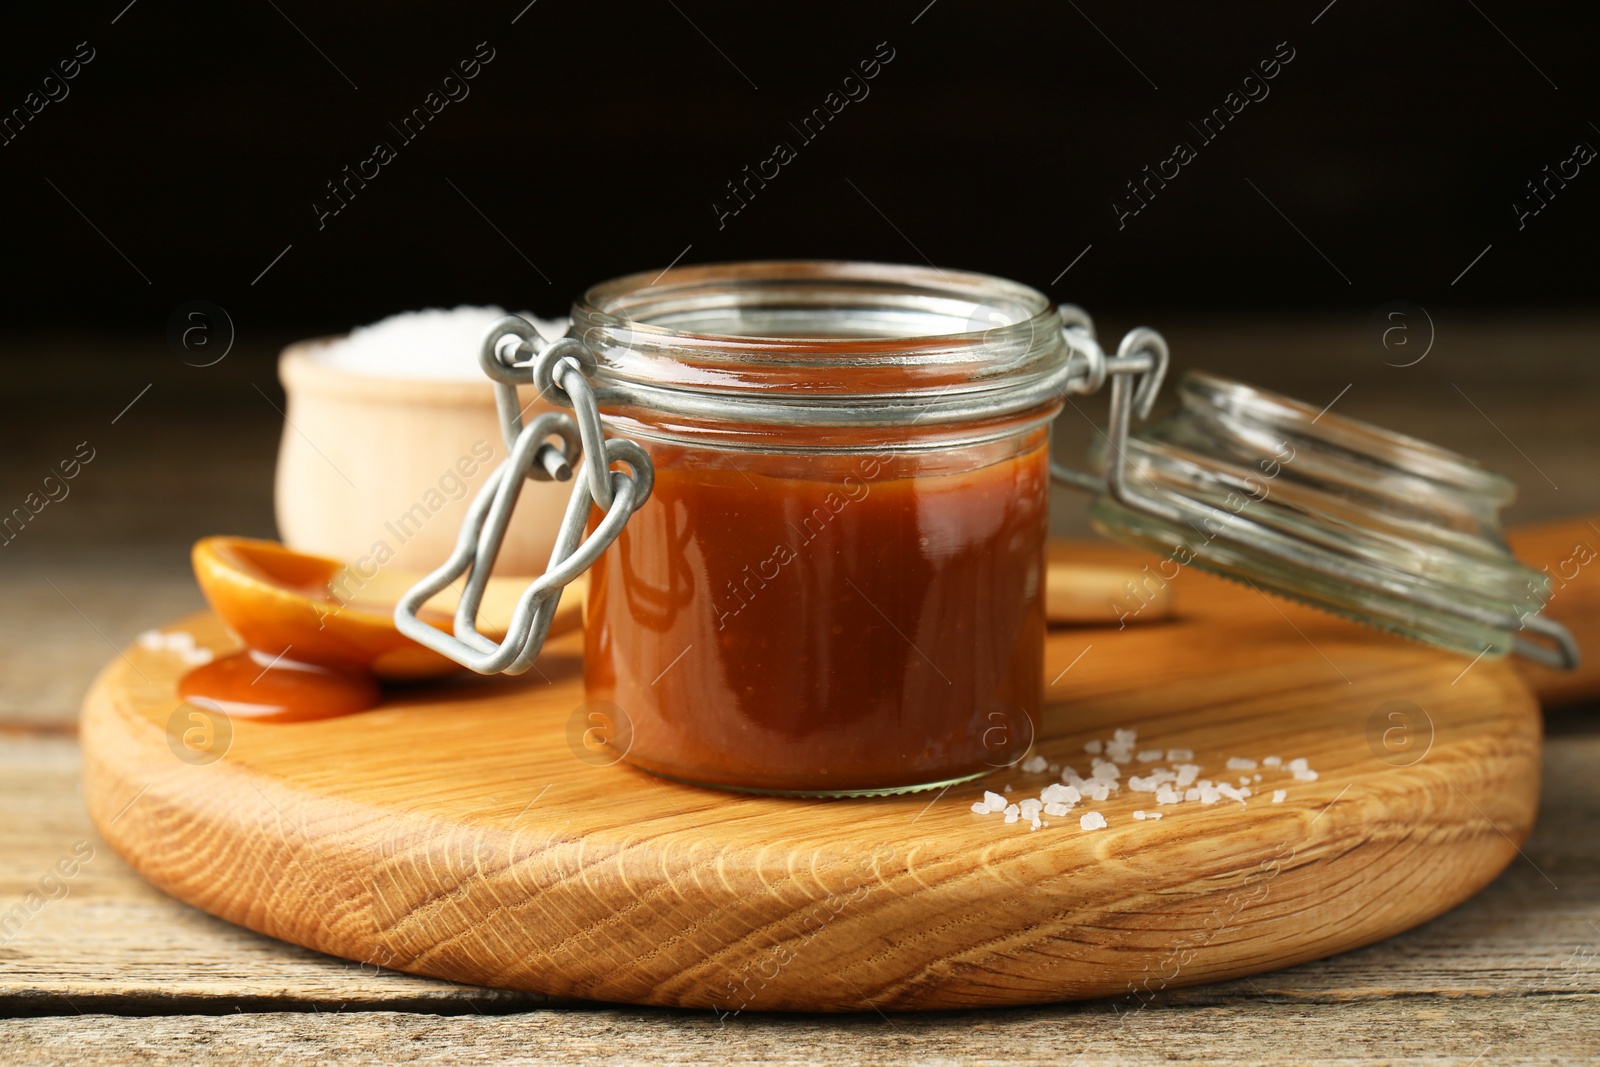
(817, 344)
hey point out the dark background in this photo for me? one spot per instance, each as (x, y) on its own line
(594, 143)
(185, 162)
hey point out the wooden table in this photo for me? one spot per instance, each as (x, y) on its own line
(109, 969)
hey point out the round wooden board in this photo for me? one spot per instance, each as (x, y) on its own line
(454, 832)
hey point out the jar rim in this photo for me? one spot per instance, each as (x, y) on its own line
(637, 302)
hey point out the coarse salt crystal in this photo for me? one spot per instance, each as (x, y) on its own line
(1210, 794)
(1092, 821)
(1106, 771)
(994, 801)
(1098, 791)
(980, 807)
(1034, 764)
(1125, 737)
(1272, 761)
(1007, 789)
(1177, 755)
(1056, 793)
(1055, 809)
(1168, 795)
(1192, 793)
(1093, 746)
(1239, 763)
(1299, 764)
(1030, 807)
(1306, 775)
(1011, 813)
(1143, 785)
(1149, 755)
(1244, 779)
(1231, 792)
(1053, 768)
(1279, 795)
(1187, 773)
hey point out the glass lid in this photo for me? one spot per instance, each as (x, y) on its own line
(1336, 513)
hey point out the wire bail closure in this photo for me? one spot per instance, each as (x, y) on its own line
(548, 448)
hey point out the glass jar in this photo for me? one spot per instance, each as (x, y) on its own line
(821, 571)
(837, 586)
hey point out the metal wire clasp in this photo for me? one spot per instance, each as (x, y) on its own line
(1136, 373)
(549, 447)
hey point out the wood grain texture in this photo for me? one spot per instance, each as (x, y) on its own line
(113, 943)
(454, 833)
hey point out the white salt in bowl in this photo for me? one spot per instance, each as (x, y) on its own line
(390, 432)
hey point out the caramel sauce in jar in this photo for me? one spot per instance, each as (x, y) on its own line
(836, 585)
(853, 623)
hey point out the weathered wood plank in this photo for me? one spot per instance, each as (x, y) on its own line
(1538, 1030)
(101, 936)
(113, 943)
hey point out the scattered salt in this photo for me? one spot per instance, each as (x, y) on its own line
(1239, 763)
(980, 807)
(1030, 807)
(1098, 791)
(1093, 821)
(1007, 789)
(1105, 771)
(1034, 764)
(1178, 755)
(1271, 761)
(1093, 746)
(1278, 795)
(1149, 755)
(1168, 795)
(1306, 776)
(1210, 794)
(1187, 772)
(180, 643)
(994, 801)
(1056, 809)
(1299, 764)
(1011, 813)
